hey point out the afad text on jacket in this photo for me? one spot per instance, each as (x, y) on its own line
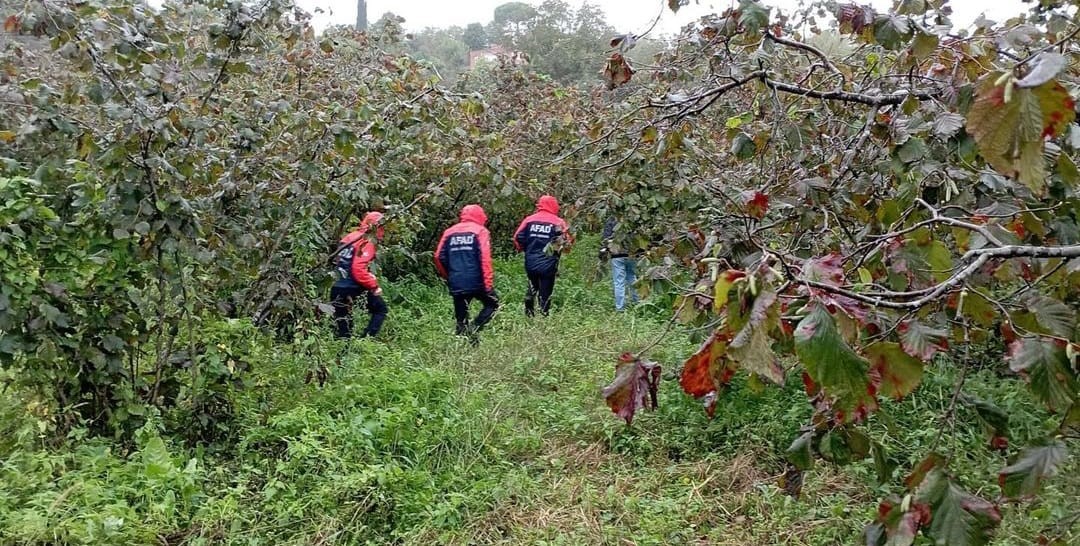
(535, 233)
(463, 256)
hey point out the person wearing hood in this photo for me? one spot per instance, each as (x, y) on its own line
(542, 236)
(463, 258)
(355, 279)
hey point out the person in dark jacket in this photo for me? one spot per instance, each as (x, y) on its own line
(355, 278)
(542, 236)
(463, 258)
(622, 265)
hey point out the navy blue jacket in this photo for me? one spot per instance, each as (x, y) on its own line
(536, 232)
(463, 256)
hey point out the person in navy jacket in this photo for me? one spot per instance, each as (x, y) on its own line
(463, 258)
(542, 236)
(355, 278)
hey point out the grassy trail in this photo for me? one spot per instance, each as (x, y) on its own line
(419, 438)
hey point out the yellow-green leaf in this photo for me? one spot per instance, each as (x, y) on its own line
(724, 281)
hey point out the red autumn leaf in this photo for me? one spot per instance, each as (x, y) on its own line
(11, 24)
(811, 387)
(826, 269)
(708, 370)
(854, 17)
(1007, 332)
(999, 443)
(918, 473)
(756, 203)
(634, 387)
(617, 71)
(895, 526)
(1011, 124)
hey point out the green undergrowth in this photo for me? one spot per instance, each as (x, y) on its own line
(419, 438)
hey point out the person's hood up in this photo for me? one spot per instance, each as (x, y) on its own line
(370, 219)
(474, 213)
(547, 203)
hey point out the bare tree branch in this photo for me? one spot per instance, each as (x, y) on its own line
(810, 49)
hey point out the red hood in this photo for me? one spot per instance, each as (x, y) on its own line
(370, 219)
(547, 203)
(473, 213)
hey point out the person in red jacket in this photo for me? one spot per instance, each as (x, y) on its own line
(542, 236)
(463, 258)
(355, 278)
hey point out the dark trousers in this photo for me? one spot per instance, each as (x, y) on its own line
(542, 285)
(461, 310)
(342, 299)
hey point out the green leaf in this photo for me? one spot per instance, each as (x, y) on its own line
(1052, 378)
(1053, 316)
(832, 364)
(112, 343)
(743, 147)
(882, 465)
(674, 5)
(1024, 476)
(156, 460)
(751, 347)
(939, 260)
(924, 45)
(911, 7)
(977, 308)
(844, 445)
(1070, 175)
(892, 31)
(1071, 422)
(799, 454)
(895, 371)
(957, 518)
(912, 150)
(991, 416)
(753, 16)
(947, 124)
(53, 315)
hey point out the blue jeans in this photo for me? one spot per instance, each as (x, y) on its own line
(622, 279)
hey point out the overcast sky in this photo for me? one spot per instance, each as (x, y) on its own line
(624, 15)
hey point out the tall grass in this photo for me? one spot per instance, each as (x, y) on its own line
(419, 438)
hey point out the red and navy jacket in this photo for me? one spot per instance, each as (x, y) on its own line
(463, 256)
(535, 233)
(353, 263)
